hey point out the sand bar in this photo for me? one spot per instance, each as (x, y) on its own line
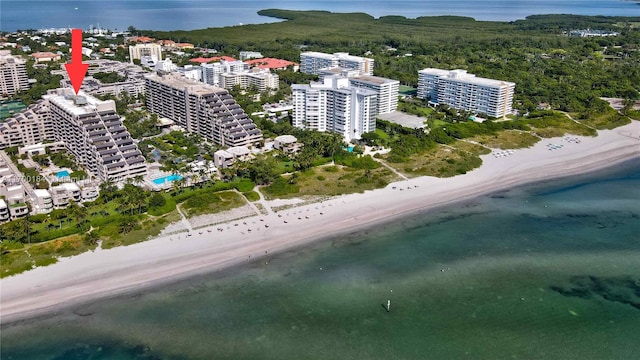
(107, 272)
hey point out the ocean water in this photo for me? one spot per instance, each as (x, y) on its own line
(198, 14)
(544, 271)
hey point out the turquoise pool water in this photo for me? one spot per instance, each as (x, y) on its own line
(168, 178)
(62, 174)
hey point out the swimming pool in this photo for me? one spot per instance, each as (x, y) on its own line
(62, 174)
(168, 178)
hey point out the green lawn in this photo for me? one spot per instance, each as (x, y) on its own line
(439, 123)
(444, 161)
(383, 135)
(41, 254)
(554, 124)
(330, 180)
(150, 227)
(508, 139)
(252, 196)
(285, 167)
(212, 202)
(609, 119)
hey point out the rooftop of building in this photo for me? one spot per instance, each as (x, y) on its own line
(459, 75)
(375, 79)
(287, 139)
(7, 58)
(80, 104)
(178, 81)
(346, 56)
(270, 63)
(317, 55)
(142, 39)
(68, 186)
(41, 193)
(203, 60)
(239, 150)
(44, 54)
(223, 153)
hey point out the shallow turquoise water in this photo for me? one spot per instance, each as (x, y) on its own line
(550, 271)
(168, 178)
(62, 174)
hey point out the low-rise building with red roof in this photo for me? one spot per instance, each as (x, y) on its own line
(203, 60)
(166, 42)
(45, 56)
(141, 39)
(272, 64)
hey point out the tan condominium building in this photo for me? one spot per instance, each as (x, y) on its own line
(93, 132)
(203, 109)
(463, 91)
(262, 80)
(13, 73)
(31, 126)
(138, 51)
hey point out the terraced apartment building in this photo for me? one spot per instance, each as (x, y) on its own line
(93, 132)
(28, 127)
(203, 109)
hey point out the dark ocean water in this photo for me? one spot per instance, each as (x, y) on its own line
(546, 271)
(198, 14)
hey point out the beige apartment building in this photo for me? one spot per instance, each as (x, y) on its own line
(93, 132)
(13, 73)
(203, 109)
(31, 126)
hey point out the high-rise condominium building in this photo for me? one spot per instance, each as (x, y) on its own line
(386, 89)
(31, 126)
(464, 91)
(93, 132)
(211, 72)
(138, 51)
(334, 106)
(263, 80)
(312, 62)
(203, 109)
(13, 73)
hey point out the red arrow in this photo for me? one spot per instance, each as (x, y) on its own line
(76, 69)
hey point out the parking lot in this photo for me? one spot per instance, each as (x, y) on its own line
(404, 119)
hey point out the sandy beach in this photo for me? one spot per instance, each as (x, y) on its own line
(107, 272)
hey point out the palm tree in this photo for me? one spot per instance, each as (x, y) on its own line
(91, 238)
(127, 224)
(195, 179)
(138, 179)
(127, 201)
(175, 187)
(180, 182)
(202, 173)
(108, 189)
(139, 199)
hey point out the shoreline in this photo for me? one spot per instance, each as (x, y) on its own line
(256, 18)
(102, 274)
